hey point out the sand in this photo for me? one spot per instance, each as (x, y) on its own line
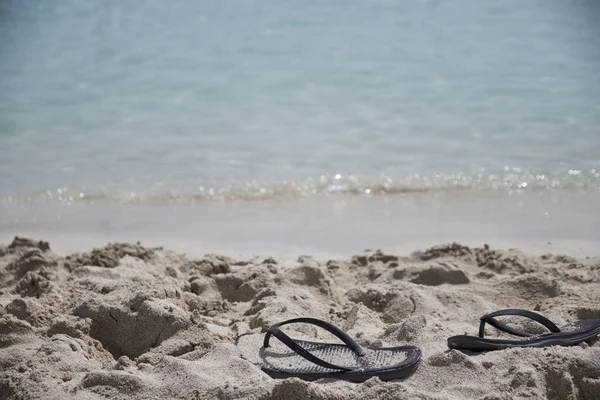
(127, 321)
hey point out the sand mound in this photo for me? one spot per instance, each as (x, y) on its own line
(132, 330)
(436, 274)
(125, 321)
(110, 255)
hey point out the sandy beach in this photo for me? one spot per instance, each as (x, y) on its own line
(177, 177)
(128, 321)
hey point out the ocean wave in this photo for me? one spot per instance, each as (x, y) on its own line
(511, 180)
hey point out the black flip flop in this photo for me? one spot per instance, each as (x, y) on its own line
(567, 335)
(348, 361)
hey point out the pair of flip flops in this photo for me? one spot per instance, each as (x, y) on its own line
(309, 360)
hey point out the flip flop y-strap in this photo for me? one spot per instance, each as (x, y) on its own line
(489, 318)
(292, 344)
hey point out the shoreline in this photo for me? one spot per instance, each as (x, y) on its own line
(536, 223)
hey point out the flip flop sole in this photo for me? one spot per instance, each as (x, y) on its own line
(279, 361)
(412, 358)
(570, 335)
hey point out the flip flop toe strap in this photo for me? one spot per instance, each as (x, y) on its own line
(292, 344)
(489, 318)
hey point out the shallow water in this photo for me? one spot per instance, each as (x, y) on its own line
(179, 102)
(323, 227)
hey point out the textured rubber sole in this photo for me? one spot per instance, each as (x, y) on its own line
(573, 334)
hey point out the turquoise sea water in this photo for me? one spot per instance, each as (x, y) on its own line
(149, 101)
